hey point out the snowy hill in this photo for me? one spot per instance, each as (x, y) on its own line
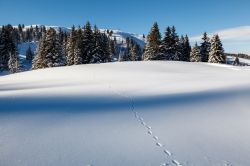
(120, 35)
(132, 113)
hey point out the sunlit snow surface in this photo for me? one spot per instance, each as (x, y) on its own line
(126, 114)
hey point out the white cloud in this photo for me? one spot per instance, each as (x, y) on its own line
(234, 39)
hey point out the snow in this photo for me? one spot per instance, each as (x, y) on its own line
(126, 113)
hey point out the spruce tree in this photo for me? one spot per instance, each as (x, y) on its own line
(205, 48)
(7, 46)
(13, 63)
(112, 49)
(20, 31)
(184, 49)
(105, 48)
(29, 54)
(174, 46)
(195, 54)
(152, 49)
(97, 50)
(216, 54)
(87, 44)
(127, 52)
(70, 47)
(170, 47)
(135, 53)
(39, 60)
(53, 50)
(165, 47)
(78, 47)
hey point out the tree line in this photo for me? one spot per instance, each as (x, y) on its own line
(84, 45)
(174, 48)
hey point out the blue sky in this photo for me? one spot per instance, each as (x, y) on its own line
(191, 17)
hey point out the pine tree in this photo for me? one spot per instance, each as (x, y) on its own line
(185, 49)
(49, 52)
(13, 63)
(105, 48)
(165, 47)
(29, 54)
(170, 47)
(205, 48)
(87, 44)
(78, 47)
(112, 48)
(127, 51)
(216, 54)
(175, 46)
(195, 54)
(7, 46)
(135, 53)
(39, 60)
(152, 49)
(97, 51)
(70, 47)
(53, 50)
(20, 31)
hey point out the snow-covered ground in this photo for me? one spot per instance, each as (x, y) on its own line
(126, 114)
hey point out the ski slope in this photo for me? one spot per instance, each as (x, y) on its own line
(126, 114)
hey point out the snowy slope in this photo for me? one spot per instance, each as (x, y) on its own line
(130, 113)
(120, 35)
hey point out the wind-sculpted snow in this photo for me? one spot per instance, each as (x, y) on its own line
(130, 113)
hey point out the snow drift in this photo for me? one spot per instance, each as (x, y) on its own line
(130, 113)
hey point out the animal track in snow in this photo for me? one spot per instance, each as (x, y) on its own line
(141, 119)
(148, 127)
(155, 138)
(176, 163)
(150, 132)
(143, 123)
(159, 144)
(167, 152)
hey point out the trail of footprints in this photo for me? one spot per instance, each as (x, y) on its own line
(156, 139)
(150, 132)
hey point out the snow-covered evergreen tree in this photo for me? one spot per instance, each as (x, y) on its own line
(135, 53)
(49, 52)
(112, 48)
(78, 47)
(205, 48)
(97, 50)
(195, 54)
(53, 50)
(29, 54)
(77, 55)
(7, 46)
(105, 48)
(175, 46)
(87, 46)
(152, 49)
(185, 49)
(13, 63)
(39, 60)
(170, 47)
(70, 47)
(216, 54)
